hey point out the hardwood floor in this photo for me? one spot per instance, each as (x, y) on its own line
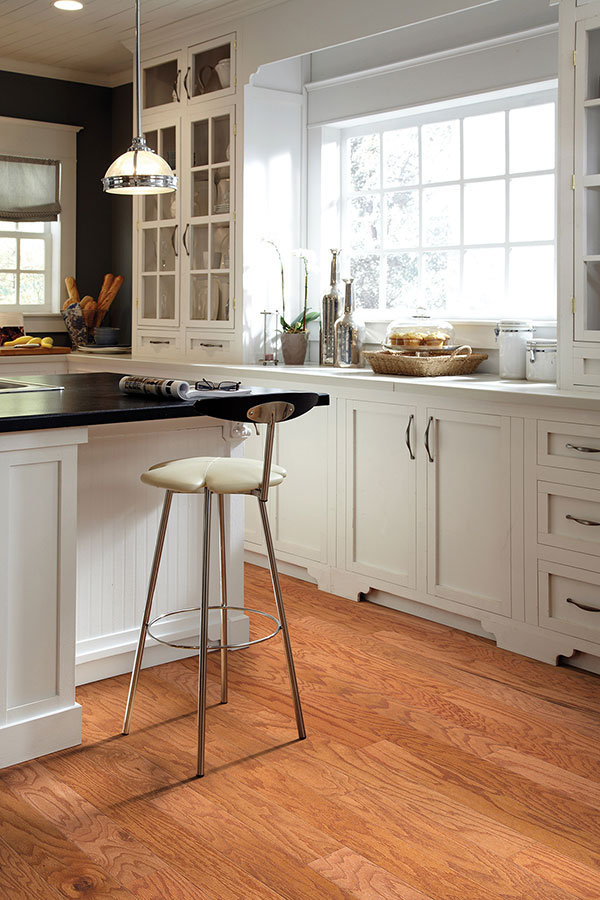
(437, 767)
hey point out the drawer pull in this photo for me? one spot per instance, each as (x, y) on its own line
(427, 445)
(583, 606)
(581, 521)
(159, 342)
(411, 419)
(582, 449)
(210, 345)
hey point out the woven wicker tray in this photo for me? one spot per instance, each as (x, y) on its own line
(461, 361)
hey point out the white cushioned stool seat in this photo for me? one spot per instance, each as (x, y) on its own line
(218, 474)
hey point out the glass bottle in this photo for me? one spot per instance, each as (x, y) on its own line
(330, 311)
(348, 333)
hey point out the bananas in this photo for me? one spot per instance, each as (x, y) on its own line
(27, 340)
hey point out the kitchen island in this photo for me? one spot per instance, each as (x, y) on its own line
(78, 531)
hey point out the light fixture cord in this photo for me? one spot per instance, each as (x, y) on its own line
(138, 69)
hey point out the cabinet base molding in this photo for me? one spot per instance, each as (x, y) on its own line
(48, 733)
(528, 640)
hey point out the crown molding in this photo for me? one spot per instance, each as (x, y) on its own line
(40, 70)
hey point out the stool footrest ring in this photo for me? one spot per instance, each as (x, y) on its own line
(180, 646)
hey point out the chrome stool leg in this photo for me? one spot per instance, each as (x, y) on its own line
(281, 616)
(203, 642)
(137, 665)
(223, 599)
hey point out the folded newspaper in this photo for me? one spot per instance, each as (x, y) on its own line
(174, 390)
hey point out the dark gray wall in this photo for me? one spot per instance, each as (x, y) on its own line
(103, 221)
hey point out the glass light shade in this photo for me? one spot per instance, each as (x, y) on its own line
(139, 171)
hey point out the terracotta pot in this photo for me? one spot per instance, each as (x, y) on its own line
(293, 347)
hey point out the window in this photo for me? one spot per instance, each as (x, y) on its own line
(454, 209)
(26, 264)
(35, 257)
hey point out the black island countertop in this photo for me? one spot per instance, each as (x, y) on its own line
(95, 399)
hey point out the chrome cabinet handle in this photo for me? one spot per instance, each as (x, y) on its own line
(176, 86)
(582, 449)
(173, 235)
(583, 606)
(581, 521)
(411, 419)
(184, 239)
(185, 82)
(427, 447)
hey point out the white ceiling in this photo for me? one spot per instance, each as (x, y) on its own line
(34, 34)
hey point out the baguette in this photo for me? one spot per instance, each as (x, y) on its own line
(89, 307)
(106, 283)
(72, 291)
(106, 300)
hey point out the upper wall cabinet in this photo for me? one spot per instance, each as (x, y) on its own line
(201, 71)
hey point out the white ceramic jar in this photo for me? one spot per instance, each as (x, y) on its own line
(541, 360)
(512, 336)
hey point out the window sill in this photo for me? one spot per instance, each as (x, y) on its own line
(40, 321)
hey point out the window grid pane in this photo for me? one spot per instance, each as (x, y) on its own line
(24, 263)
(437, 240)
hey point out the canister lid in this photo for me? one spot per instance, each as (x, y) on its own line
(542, 344)
(515, 325)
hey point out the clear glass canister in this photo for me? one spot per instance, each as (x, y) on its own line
(419, 331)
(541, 359)
(512, 336)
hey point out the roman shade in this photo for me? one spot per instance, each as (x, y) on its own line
(29, 189)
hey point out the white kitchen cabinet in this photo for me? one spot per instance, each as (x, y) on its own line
(469, 508)
(185, 240)
(379, 518)
(298, 508)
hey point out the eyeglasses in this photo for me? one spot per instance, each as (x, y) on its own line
(206, 385)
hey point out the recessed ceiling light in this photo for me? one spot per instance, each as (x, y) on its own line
(68, 4)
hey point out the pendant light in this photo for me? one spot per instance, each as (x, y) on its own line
(140, 170)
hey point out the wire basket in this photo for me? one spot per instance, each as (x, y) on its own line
(461, 361)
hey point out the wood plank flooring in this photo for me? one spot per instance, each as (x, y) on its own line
(437, 767)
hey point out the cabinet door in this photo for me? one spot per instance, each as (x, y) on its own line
(380, 520)
(162, 83)
(587, 181)
(158, 236)
(207, 218)
(298, 508)
(210, 71)
(469, 509)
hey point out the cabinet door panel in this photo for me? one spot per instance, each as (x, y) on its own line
(381, 483)
(298, 507)
(469, 509)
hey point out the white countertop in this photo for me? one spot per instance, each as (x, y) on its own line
(485, 386)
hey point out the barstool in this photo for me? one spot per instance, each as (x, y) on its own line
(214, 475)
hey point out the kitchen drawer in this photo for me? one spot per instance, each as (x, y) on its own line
(209, 347)
(568, 446)
(159, 345)
(569, 517)
(586, 368)
(569, 600)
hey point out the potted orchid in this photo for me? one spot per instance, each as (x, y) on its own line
(294, 334)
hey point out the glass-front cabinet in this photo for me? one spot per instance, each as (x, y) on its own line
(185, 240)
(207, 203)
(587, 181)
(202, 71)
(158, 231)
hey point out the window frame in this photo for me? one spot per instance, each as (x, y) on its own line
(325, 138)
(17, 137)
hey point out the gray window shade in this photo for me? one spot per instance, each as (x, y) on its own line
(29, 189)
